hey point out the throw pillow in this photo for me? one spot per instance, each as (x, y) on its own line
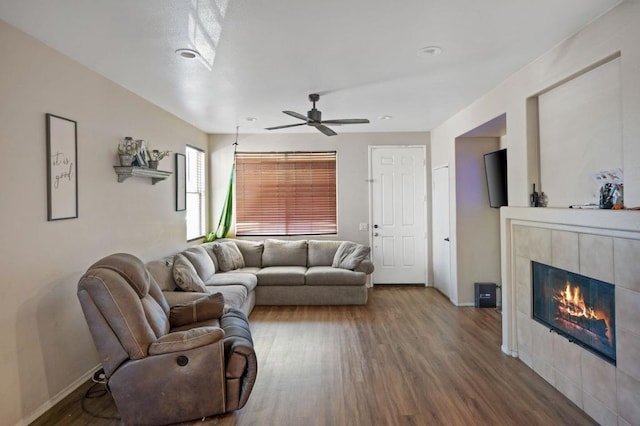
(228, 255)
(202, 309)
(186, 276)
(349, 255)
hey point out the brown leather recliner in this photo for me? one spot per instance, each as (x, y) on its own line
(165, 365)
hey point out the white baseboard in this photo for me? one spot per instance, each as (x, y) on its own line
(59, 397)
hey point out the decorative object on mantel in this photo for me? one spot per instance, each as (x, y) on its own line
(611, 188)
(127, 151)
(62, 168)
(155, 156)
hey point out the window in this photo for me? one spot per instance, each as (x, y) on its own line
(196, 221)
(285, 193)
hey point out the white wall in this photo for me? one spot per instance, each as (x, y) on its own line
(617, 31)
(46, 347)
(352, 154)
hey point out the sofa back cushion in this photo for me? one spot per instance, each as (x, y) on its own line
(162, 271)
(284, 253)
(321, 253)
(251, 252)
(228, 255)
(201, 260)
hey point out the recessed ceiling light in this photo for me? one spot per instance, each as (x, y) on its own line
(385, 117)
(430, 51)
(251, 119)
(188, 53)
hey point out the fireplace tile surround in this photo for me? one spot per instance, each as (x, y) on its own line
(601, 244)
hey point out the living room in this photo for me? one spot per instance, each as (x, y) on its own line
(48, 350)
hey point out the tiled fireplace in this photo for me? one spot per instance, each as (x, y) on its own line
(593, 260)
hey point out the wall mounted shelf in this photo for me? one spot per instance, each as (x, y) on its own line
(125, 172)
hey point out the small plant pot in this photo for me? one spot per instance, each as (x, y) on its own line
(153, 164)
(126, 160)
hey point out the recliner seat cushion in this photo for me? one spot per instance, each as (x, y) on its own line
(284, 253)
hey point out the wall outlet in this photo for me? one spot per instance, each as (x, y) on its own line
(364, 227)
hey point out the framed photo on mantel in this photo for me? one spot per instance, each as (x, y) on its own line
(62, 168)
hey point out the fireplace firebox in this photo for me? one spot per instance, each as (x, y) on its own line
(580, 308)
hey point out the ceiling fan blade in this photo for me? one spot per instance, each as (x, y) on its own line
(346, 121)
(296, 115)
(285, 126)
(324, 129)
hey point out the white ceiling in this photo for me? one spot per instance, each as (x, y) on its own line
(263, 57)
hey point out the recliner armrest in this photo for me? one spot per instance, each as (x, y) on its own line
(201, 309)
(186, 340)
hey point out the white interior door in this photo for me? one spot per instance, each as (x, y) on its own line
(441, 246)
(398, 197)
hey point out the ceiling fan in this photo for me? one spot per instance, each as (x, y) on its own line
(314, 118)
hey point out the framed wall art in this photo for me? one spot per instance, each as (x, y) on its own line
(181, 182)
(62, 168)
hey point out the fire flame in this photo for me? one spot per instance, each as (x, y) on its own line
(572, 304)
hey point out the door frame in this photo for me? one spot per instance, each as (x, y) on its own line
(426, 215)
(449, 283)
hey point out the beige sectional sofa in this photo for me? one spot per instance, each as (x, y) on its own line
(269, 272)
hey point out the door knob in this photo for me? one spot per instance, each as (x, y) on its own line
(446, 239)
(375, 226)
(375, 234)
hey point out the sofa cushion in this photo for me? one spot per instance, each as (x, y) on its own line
(162, 271)
(186, 276)
(251, 251)
(284, 253)
(281, 275)
(201, 260)
(228, 255)
(233, 278)
(234, 295)
(349, 255)
(321, 253)
(329, 276)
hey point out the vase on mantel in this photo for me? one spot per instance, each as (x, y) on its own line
(153, 164)
(126, 160)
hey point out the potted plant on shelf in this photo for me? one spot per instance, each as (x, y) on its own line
(127, 151)
(155, 156)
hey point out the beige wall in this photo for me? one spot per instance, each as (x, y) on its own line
(478, 248)
(46, 347)
(352, 153)
(617, 31)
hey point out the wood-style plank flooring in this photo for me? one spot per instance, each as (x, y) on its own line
(408, 357)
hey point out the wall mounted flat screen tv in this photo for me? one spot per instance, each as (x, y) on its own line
(495, 166)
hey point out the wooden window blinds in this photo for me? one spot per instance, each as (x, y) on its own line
(285, 193)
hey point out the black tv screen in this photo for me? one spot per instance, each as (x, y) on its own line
(495, 166)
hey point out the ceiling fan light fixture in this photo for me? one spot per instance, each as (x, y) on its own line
(251, 119)
(385, 117)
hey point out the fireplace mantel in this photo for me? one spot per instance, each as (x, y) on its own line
(603, 244)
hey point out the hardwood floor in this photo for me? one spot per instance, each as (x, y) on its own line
(408, 357)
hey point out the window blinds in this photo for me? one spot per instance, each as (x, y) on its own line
(285, 193)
